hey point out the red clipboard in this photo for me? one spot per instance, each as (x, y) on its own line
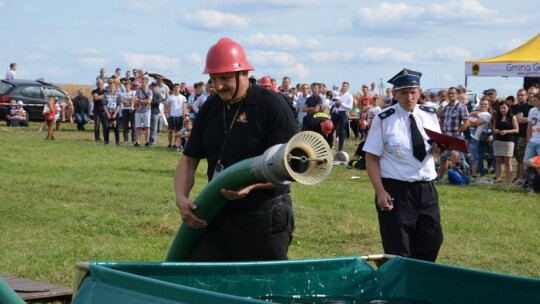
(449, 142)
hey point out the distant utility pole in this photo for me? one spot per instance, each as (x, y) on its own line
(381, 88)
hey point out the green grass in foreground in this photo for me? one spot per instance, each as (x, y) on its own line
(76, 200)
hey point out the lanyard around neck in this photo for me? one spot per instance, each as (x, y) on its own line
(228, 129)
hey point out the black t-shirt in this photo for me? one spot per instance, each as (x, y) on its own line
(522, 108)
(504, 125)
(261, 120)
(98, 104)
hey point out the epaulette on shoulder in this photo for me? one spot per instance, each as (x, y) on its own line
(387, 113)
(428, 109)
(321, 114)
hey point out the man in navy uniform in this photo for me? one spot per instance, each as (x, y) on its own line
(400, 165)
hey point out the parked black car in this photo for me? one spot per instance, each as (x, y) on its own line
(33, 93)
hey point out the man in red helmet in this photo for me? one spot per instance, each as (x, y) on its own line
(265, 82)
(240, 121)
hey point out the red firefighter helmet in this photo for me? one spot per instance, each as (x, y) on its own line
(226, 56)
(327, 126)
(265, 82)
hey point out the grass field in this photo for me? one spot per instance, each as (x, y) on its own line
(73, 199)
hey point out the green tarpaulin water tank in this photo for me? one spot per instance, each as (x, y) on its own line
(338, 280)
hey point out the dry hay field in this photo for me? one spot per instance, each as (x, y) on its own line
(72, 89)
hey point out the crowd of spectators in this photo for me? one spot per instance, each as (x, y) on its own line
(495, 129)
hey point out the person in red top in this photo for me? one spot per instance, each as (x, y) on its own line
(49, 113)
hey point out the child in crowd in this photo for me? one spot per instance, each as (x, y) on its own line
(17, 115)
(534, 175)
(182, 136)
(372, 111)
(362, 126)
(50, 113)
(459, 172)
(12, 109)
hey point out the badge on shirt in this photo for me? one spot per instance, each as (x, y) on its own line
(242, 118)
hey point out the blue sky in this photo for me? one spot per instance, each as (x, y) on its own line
(67, 41)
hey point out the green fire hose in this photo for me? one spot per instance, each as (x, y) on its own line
(306, 158)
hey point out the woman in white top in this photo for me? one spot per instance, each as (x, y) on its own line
(128, 111)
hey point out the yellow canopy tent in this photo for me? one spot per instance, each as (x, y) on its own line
(523, 61)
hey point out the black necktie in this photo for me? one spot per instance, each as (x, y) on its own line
(419, 148)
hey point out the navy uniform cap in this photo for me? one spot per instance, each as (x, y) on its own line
(406, 79)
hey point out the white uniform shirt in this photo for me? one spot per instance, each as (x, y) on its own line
(176, 102)
(390, 139)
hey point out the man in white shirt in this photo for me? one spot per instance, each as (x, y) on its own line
(176, 111)
(10, 75)
(341, 108)
(300, 102)
(373, 90)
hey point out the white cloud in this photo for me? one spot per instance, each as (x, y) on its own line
(298, 72)
(331, 57)
(381, 54)
(214, 20)
(90, 51)
(447, 78)
(280, 41)
(343, 25)
(312, 43)
(388, 13)
(272, 40)
(310, 3)
(508, 45)
(146, 6)
(2, 5)
(451, 53)
(192, 58)
(271, 58)
(151, 62)
(92, 62)
(401, 16)
(461, 9)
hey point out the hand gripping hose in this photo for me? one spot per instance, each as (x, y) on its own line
(306, 158)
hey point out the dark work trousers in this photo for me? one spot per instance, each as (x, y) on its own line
(339, 120)
(413, 227)
(259, 232)
(128, 124)
(99, 119)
